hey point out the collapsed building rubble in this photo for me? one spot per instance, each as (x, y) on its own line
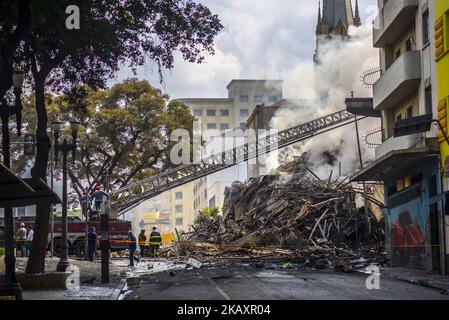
(290, 215)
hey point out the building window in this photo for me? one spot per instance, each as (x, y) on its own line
(198, 113)
(258, 98)
(428, 97)
(205, 194)
(244, 99)
(211, 113)
(212, 202)
(20, 212)
(243, 126)
(409, 44)
(425, 27)
(244, 113)
(409, 113)
(211, 126)
(224, 126)
(224, 112)
(178, 195)
(397, 54)
(179, 221)
(273, 99)
(178, 208)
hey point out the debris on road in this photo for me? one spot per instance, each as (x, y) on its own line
(289, 216)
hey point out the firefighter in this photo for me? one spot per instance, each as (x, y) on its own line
(98, 196)
(155, 242)
(142, 243)
(85, 202)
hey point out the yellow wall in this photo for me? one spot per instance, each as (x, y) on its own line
(442, 58)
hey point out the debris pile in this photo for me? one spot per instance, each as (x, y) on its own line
(288, 216)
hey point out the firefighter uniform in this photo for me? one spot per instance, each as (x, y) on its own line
(155, 242)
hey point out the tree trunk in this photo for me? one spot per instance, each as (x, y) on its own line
(36, 261)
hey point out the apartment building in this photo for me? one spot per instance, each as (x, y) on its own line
(409, 165)
(442, 60)
(222, 114)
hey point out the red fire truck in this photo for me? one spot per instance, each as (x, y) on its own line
(76, 232)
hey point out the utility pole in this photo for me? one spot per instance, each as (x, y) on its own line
(363, 183)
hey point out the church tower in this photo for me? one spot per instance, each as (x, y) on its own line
(334, 19)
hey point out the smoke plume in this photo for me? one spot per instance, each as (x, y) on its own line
(342, 63)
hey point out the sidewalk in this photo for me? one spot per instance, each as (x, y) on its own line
(419, 277)
(83, 284)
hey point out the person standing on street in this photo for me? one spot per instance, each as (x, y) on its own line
(142, 243)
(155, 242)
(21, 238)
(132, 248)
(92, 243)
(30, 237)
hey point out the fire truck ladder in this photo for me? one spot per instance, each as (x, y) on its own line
(130, 196)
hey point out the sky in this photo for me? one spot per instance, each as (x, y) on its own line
(261, 39)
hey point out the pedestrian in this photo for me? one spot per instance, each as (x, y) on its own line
(99, 196)
(132, 248)
(155, 242)
(21, 238)
(92, 241)
(30, 237)
(142, 243)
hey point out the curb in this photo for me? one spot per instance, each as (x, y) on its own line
(118, 289)
(421, 283)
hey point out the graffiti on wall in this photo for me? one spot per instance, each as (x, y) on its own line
(408, 233)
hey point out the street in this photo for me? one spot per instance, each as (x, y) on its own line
(247, 283)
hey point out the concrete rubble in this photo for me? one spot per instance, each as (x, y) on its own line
(289, 216)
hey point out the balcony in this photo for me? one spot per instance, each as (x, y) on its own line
(400, 143)
(398, 82)
(397, 154)
(394, 18)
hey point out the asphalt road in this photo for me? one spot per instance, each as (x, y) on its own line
(232, 283)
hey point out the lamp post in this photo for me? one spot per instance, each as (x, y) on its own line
(11, 287)
(64, 148)
(53, 124)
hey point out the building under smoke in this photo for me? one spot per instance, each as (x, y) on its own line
(334, 19)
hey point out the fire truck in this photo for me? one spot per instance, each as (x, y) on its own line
(76, 233)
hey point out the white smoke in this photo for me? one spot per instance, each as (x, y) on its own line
(342, 63)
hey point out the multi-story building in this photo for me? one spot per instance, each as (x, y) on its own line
(222, 114)
(409, 165)
(442, 61)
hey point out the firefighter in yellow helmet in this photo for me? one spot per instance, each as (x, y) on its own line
(155, 242)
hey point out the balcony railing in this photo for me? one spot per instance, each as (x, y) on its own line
(398, 82)
(393, 19)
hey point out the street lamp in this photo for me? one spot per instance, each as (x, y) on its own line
(11, 287)
(64, 148)
(54, 124)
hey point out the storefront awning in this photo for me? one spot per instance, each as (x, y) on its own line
(18, 192)
(388, 165)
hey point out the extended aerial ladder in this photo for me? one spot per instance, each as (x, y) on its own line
(132, 195)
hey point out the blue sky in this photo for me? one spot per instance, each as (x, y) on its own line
(260, 39)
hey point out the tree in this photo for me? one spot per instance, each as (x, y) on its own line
(207, 215)
(125, 132)
(112, 33)
(15, 19)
